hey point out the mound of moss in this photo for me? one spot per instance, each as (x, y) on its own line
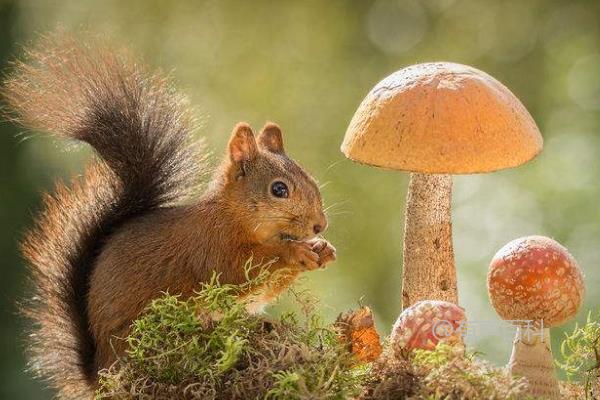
(209, 347)
(444, 373)
(580, 351)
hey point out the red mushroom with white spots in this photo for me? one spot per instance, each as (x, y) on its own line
(426, 323)
(536, 284)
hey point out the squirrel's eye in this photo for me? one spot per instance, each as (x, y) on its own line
(279, 189)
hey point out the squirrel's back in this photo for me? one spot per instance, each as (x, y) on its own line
(139, 128)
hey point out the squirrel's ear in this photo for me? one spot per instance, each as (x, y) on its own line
(270, 138)
(242, 145)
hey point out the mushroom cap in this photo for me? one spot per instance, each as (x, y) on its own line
(442, 118)
(535, 278)
(424, 324)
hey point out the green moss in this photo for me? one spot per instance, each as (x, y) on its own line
(446, 373)
(209, 347)
(580, 353)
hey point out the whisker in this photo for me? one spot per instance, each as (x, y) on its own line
(333, 214)
(324, 185)
(333, 164)
(336, 204)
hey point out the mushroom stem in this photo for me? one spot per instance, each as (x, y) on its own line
(429, 270)
(532, 358)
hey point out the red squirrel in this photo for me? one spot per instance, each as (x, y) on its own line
(125, 231)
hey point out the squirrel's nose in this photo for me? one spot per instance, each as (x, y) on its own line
(317, 229)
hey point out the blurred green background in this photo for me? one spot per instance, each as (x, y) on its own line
(307, 65)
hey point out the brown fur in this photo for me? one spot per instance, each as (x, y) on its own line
(120, 235)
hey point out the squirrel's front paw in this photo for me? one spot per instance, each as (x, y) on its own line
(324, 249)
(302, 254)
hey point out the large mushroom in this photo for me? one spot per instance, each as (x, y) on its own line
(434, 120)
(536, 284)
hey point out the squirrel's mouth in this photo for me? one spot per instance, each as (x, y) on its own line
(287, 236)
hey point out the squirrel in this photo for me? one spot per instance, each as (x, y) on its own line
(125, 231)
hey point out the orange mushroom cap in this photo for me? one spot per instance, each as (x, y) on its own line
(535, 278)
(442, 118)
(424, 324)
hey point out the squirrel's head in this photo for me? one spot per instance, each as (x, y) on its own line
(280, 199)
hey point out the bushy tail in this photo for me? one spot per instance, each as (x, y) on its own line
(139, 128)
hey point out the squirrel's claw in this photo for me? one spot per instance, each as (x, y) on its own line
(325, 250)
(303, 255)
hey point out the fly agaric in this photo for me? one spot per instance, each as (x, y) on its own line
(535, 284)
(434, 120)
(426, 323)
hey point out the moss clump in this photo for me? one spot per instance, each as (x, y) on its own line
(209, 347)
(580, 352)
(444, 373)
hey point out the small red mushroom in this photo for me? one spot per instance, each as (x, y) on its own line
(536, 284)
(426, 323)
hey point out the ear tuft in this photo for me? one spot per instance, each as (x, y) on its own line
(271, 138)
(242, 145)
